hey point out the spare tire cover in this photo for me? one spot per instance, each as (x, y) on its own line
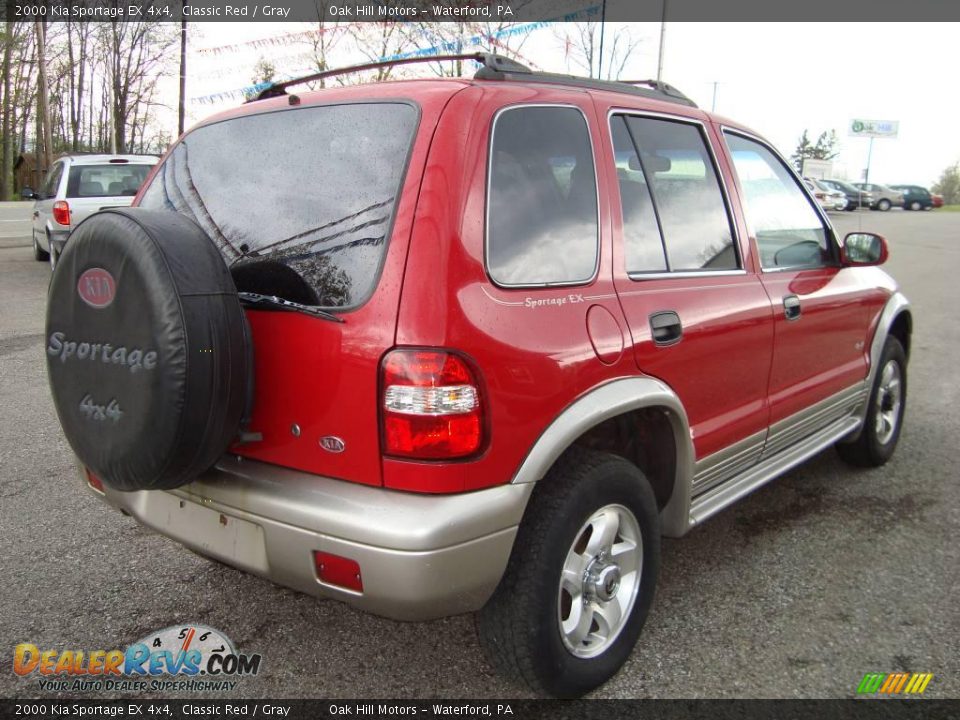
(147, 348)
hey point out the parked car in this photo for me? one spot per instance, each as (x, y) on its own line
(441, 346)
(828, 198)
(915, 197)
(856, 198)
(937, 199)
(77, 186)
(884, 197)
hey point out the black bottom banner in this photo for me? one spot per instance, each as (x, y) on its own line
(521, 709)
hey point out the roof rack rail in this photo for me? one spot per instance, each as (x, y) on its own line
(497, 67)
(657, 90)
(660, 86)
(489, 61)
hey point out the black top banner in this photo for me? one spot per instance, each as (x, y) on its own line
(497, 11)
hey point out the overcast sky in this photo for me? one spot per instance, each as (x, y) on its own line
(778, 78)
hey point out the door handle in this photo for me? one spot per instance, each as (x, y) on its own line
(791, 307)
(666, 328)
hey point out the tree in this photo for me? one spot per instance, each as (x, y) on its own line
(6, 161)
(137, 55)
(264, 72)
(581, 49)
(43, 106)
(825, 148)
(949, 185)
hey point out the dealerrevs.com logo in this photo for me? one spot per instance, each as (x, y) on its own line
(178, 658)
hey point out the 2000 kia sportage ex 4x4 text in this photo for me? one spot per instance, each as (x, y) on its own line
(441, 346)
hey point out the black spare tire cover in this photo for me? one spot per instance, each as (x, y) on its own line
(147, 348)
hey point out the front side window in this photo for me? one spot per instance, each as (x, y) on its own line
(789, 231)
(300, 202)
(542, 218)
(667, 163)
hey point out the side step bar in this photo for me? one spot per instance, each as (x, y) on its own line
(715, 500)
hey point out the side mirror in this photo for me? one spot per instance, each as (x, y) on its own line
(861, 249)
(27, 193)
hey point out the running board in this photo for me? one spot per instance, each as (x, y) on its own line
(716, 499)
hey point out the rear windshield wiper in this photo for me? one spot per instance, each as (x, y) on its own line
(250, 298)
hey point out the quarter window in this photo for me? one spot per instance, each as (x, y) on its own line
(542, 221)
(667, 163)
(52, 182)
(789, 232)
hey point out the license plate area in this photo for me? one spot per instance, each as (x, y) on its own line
(236, 541)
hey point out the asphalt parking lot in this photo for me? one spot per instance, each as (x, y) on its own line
(797, 591)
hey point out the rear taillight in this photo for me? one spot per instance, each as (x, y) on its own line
(61, 212)
(431, 405)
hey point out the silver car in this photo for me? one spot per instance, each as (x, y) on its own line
(77, 186)
(884, 198)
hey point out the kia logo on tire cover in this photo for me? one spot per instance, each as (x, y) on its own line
(96, 287)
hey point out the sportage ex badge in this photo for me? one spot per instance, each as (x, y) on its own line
(97, 288)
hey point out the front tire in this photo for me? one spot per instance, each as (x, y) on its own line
(916, 206)
(883, 205)
(884, 420)
(580, 581)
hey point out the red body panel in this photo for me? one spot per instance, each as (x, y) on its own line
(739, 367)
(535, 359)
(323, 376)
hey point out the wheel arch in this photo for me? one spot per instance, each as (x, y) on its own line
(603, 419)
(896, 319)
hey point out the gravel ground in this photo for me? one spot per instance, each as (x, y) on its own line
(797, 591)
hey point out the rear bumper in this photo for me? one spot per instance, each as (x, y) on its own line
(420, 556)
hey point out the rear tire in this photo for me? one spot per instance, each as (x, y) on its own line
(883, 205)
(916, 206)
(39, 254)
(580, 581)
(884, 420)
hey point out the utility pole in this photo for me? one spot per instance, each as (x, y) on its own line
(866, 174)
(183, 68)
(713, 105)
(663, 37)
(603, 25)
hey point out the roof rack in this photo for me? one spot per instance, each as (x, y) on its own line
(488, 60)
(497, 67)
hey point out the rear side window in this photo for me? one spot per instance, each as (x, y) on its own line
(299, 201)
(667, 180)
(789, 231)
(52, 181)
(106, 180)
(542, 226)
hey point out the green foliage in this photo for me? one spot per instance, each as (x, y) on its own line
(825, 148)
(949, 185)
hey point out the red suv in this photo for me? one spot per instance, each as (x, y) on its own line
(442, 346)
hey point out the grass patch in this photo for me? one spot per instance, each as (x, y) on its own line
(950, 208)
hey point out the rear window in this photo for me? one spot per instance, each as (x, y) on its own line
(106, 180)
(300, 202)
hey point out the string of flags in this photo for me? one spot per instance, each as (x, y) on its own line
(440, 48)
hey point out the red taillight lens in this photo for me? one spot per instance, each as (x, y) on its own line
(431, 405)
(93, 481)
(61, 212)
(340, 571)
